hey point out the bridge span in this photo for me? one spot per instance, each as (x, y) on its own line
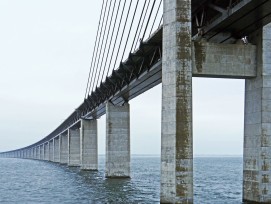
(197, 39)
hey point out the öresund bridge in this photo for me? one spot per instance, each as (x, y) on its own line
(195, 38)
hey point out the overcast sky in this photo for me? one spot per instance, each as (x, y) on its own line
(45, 54)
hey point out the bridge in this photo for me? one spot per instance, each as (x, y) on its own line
(198, 38)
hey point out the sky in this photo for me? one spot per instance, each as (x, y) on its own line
(45, 55)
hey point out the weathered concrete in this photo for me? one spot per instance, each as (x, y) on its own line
(46, 151)
(89, 145)
(223, 60)
(38, 152)
(56, 150)
(32, 153)
(64, 153)
(176, 141)
(29, 153)
(42, 156)
(257, 134)
(51, 150)
(117, 140)
(74, 147)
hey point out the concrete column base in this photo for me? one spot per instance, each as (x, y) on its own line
(74, 147)
(117, 141)
(51, 150)
(257, 133)
(89, 145)
(56, 150)
(46, 151)
(64, 153)
(177, 139)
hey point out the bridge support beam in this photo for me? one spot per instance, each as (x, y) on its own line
(56, 149)
(176, 141)
(257, 134)
(89, 145)
(64, 154)
(117, 141)
(74, 147)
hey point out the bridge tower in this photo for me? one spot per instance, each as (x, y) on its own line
(257, 134)
(176, 141)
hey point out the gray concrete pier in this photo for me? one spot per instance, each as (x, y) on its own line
(56, 150)
(257, 134)
(46, 151)
(74, 147)
(64, 153)
(89, 145)
(51, 150)
(42, 156)
(176, 141)
(117, 140)
(38, 152)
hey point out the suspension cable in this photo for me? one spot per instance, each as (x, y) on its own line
(148, 20)
(122, 34)
(106, 59)
(90, 70)
(116, 38)
(129, 31)
(155, 17)
(98, 47)
(141, 27)
(95, 76)
(109, 29)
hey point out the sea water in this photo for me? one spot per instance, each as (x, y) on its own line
(216, 180)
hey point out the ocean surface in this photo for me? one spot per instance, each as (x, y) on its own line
(216, 180)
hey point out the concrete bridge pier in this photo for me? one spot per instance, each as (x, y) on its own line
(37, 152)
(51, 150)
(46, 151)
(117, 141)
(29, 153)
(42, 152)
(56, 149)
(33, 153)
(257, 134)
(64, 154)
(89, 145)
(74, 147)
(176, 140)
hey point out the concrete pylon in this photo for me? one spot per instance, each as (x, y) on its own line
(51, 150)
(37, 152)
(46, 151)
(64, 153)
(74, 147)
(42, 156)
(89, 145)
(56, 149)
(176, 140)
(257, 134)
(117, 141)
